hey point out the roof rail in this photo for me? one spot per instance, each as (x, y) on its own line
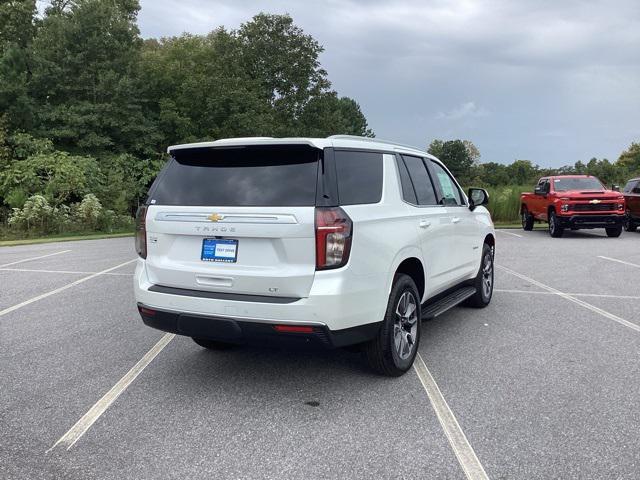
(369, 139)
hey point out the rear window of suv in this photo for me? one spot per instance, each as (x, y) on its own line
(245, 176)
(359, 177)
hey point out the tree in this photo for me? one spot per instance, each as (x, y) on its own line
(328, 114)
(85, 55)
(17, 23)
(523, 172)
(285, 61)
(58, 176)
(630, 159)
(456, 156)
(17, 29)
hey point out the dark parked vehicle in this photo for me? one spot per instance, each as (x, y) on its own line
(631, 194)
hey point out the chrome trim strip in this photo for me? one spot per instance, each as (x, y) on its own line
(203, 217)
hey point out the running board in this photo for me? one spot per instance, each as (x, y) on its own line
(446, 303)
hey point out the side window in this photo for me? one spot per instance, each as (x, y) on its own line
(359, 177)
(636, 189)
(629, 186)
(408, 193)
(450, 191)
(421, 181)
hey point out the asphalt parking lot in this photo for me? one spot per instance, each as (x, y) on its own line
(544, 383)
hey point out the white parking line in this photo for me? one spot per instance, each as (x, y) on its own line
(60, 289)
(596, 295)
(508, 233)
(619, 261)
(34, 258)
(58, 271)
(573, 299)
(465, 454)
(101, 406)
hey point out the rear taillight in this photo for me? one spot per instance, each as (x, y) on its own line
(141, 231)
(333, 237)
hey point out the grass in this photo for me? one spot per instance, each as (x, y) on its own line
(65, 237)
(504, 203)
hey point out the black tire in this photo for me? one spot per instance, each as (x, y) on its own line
(555, 230)
(629, 225)
(483, 281)
(394, 348)
(213, 344)
(527, 220)
(614, 231)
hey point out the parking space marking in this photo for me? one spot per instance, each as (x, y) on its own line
(508, 233)
(34, 258)
(69, 439)
(57, 271)
(61, 289)
(595, 295)
(573, 299)
(465, 454)
(619, 261)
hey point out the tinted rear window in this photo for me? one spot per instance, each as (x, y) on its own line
(248, 176)
(359, 177)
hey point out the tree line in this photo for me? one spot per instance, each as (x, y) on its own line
(88, 107)
(462, 158)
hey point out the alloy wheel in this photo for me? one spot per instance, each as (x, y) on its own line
(405, 328)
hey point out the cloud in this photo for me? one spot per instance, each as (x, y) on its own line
(424, 69)
(463, 111)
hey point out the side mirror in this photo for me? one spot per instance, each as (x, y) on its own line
(615, 188)
(539, 191)
(477, 197)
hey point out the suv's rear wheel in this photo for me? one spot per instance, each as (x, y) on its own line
(213, 344)
(394, 348)
(555, 230)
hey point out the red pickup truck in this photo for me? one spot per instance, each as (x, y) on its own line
(575, 202)
(632, 200)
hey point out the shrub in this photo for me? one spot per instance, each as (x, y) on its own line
(89, 211)
(35, 214)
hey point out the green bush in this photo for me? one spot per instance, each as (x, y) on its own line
(34, 215)
(89, 211)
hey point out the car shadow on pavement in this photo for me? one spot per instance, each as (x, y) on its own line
(592, 234)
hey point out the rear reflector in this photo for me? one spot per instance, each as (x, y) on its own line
(146, 311)
(293, 329)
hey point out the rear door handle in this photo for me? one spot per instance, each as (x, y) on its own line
(455, 219)
(425, 223)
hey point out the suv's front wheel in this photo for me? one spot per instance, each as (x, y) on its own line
(395, 346)
(483, 281)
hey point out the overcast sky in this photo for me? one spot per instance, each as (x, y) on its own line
(545, 80)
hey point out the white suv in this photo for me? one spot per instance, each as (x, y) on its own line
(335, 241)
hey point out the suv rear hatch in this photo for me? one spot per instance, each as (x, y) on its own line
(235, 219)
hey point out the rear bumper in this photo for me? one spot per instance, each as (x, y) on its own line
(591, 221)
(236, 331)
(343, 309)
